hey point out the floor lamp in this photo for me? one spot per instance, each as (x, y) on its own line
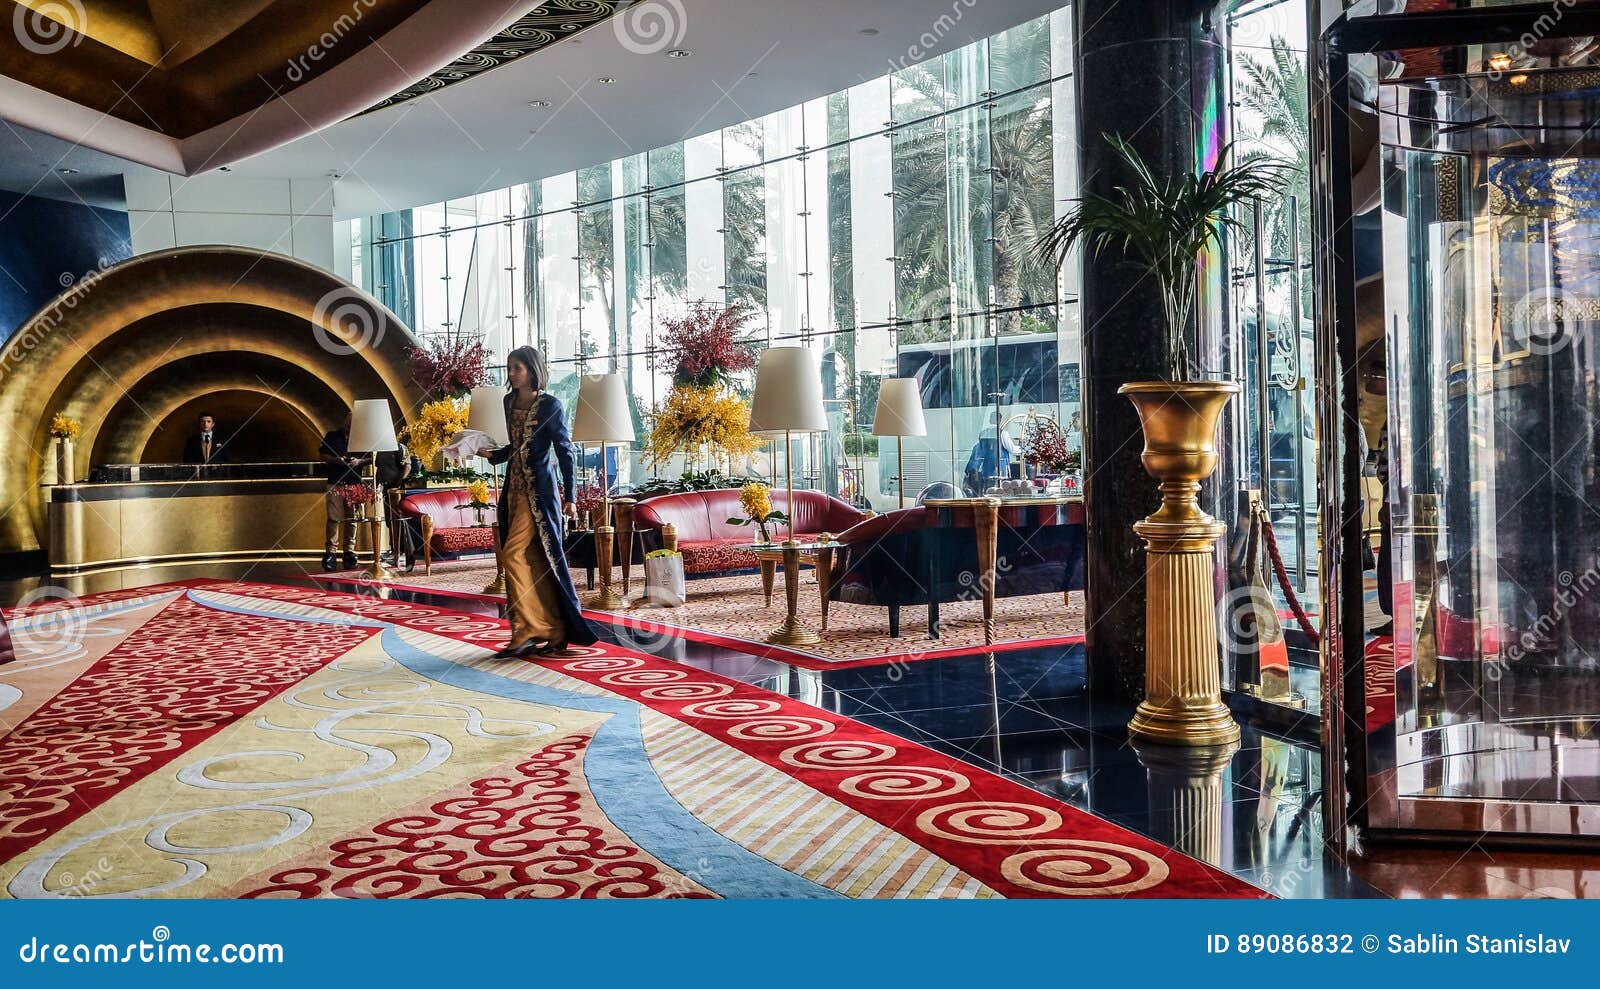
(372, 431)
(486, 412)
(603, 417)
(788, 400)
(899, 415)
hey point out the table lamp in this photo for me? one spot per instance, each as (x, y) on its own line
(487, 414)
(788, 400)
(603, 417)
(899, 415)
(372, 431)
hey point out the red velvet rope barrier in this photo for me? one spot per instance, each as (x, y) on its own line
(1283, 580)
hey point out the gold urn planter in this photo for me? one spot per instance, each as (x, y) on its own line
(1183, 677)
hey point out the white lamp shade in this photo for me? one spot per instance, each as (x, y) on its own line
(371, 428)
(788, 393)
(602, 415)
(487, 413)
(899, 409)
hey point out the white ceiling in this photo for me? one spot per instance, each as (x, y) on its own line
(751, 57)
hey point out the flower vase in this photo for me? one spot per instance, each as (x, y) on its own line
(761, 527)
(477, 514)
(65, 469)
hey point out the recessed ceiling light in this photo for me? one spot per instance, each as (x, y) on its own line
(225, 168)
(539, 104)
(679, 53)
(67, 171)
(607, 80)
(870, 32)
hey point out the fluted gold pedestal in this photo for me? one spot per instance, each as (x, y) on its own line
(1183, 672)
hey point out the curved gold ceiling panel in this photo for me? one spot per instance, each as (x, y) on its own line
(98, 346)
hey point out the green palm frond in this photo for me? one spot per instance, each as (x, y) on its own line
(1161, 225)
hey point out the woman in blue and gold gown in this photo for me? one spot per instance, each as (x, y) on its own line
(537, 496)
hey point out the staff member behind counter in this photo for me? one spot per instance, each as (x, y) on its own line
(205, 446)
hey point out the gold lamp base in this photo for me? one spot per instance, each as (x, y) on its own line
(794, 632)
(376, 571)
(607, 598)
(1183, 678)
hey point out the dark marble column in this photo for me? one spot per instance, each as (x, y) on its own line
(1150, 71)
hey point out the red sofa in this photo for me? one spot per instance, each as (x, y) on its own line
(441, 528)
(710, 545)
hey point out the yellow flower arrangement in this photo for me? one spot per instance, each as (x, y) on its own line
(478, 492)
(755, 501)
(693, 415)
(434, 425)
(64, 427)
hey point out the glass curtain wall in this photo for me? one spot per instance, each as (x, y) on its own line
(1270, 297)
(889, 226)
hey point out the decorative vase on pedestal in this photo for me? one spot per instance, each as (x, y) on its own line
(66, 471)
(1183, 675)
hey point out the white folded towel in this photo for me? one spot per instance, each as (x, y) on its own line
(468, 443)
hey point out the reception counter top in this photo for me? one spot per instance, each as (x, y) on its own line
(152, 524)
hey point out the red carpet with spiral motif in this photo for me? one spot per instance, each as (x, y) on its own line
(224, 739)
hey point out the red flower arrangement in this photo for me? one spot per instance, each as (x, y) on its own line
(589, 500)
(449, 368)
(704, 346)
(1045, 445)
(356, 495)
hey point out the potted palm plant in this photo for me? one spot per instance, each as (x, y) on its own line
(1160, 226)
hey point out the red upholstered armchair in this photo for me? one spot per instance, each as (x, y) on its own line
(442, 528)
(710, 545)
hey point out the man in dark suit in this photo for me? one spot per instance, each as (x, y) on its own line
(205, 447)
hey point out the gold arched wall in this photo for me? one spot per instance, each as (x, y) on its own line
(123, 349)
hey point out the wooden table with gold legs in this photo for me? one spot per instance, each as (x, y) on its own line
(983, 516)
(793, 631)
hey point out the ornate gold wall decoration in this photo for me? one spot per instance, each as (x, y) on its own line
(125, 348)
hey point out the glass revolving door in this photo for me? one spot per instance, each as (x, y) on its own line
(1470, 337)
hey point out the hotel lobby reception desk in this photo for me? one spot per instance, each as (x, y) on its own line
(153, 529)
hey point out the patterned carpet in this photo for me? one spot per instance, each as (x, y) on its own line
(221, 739)
(732, 611)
